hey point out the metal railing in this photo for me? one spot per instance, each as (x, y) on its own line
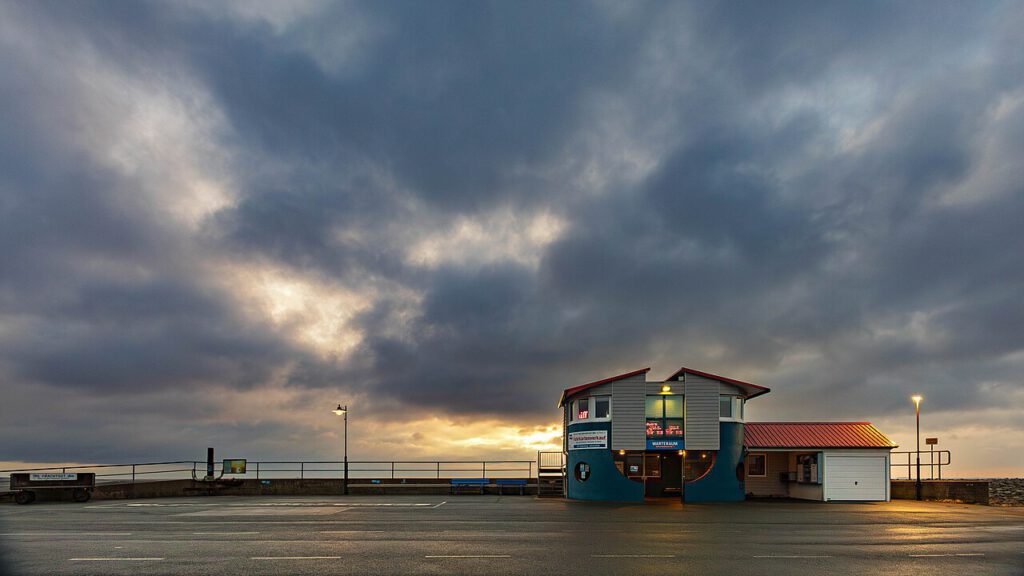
(267, 469)
(932, 462)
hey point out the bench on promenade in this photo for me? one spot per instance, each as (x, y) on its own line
(458, 483)
(514, 482)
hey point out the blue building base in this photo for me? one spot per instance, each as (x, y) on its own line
(722, 483)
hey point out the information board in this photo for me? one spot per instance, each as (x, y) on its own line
(49, 476)
(234, 466)
(588, 440)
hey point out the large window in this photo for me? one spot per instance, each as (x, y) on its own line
(664, 415)
(593, 408)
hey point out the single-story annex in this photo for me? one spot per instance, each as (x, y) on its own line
(627, 438)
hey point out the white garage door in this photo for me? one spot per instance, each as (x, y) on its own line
(855, 477)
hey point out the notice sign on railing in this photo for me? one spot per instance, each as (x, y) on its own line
(588, 440)
(50, 476)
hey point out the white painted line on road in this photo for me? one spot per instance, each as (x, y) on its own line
(632, 555)
(114, 559)
(67, 534)
(348, 531)
(947, 555)
(794, 556)
(223, 533)
(295, 558)
(441, 504)
(468, 556)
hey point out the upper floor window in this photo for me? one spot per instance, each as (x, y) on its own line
(730, 407)
(664, 415)
(593, 408)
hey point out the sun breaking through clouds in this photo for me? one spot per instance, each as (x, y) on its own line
(219, 219)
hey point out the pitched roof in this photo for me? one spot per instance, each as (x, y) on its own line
(576, 389)
(814, 435)
(752, 390)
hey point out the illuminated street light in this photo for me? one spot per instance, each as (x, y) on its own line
(917, 414)
(343, 411)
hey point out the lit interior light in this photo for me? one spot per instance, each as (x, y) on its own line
(666, 389)
(622, 452)
(680, 452)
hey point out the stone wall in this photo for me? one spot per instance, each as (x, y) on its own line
(969, 491)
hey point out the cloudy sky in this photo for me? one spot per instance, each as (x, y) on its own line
(217, 220)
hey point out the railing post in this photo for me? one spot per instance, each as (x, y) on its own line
(392, 469)
(302, 470)
(438, 470)
(257, 470)
(484, 474)
(133, 473)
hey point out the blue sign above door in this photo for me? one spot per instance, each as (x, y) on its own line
(665, 444)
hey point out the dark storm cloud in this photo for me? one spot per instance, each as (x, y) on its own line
(817, 196)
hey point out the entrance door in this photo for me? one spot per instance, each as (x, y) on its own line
(856, 478)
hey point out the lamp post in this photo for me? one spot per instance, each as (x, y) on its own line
(917, 414)
(343, 412)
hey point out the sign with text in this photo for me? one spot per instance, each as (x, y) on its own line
(50, 476)
(931, 441)
(672, 444)
(234, 466)
(588, 440)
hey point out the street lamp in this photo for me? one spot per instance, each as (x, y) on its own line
(343, 411)
(917, 413)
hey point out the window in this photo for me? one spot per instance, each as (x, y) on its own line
(725, 406)
(697, 464)
(655, 407)
(602, 406)
(664, 415)
(757, 465)
(583, 408)
(654, 428)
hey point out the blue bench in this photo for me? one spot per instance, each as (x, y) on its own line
(514, 482)
(473, 482)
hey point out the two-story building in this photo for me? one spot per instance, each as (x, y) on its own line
(628, 438)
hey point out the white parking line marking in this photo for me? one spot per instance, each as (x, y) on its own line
(794, 556)
(469, 556)
(348, 531)
(632, 555)
(67, 534)
(223, 533)
(114, 559)
(945, 555)
(295, 558)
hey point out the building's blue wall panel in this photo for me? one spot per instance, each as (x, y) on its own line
(605, 481)
(721, 483)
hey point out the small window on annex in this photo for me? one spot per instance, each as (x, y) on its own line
(756, 465)
(602, 406)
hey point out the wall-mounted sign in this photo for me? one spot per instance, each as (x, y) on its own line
(588, 440)
(582, 471)
(932, 441)
(673, 444)
(234, 466)
(49, 476)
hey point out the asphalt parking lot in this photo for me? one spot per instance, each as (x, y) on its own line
(506, 535)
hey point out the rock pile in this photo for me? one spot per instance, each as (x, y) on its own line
(1006, 492)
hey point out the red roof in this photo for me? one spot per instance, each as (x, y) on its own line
(751, 389)
(814, 435)
(570, 391)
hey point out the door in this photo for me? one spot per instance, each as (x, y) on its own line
(856, 478)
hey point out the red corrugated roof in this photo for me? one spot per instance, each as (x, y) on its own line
(814, 435)
(751, 389)
(570, 391)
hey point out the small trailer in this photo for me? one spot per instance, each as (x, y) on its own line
(78, 485)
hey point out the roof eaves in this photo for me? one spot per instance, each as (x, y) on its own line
(577, 389)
